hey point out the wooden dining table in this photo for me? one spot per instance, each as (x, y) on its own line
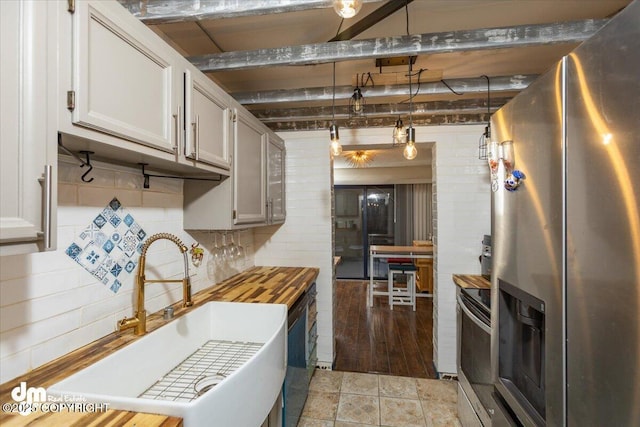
(391, 251)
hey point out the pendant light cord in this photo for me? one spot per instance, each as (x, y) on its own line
(333, 102)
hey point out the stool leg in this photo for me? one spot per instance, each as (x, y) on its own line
(413, 291)
(390, 288)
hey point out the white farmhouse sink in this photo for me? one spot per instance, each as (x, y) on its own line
(243, 397)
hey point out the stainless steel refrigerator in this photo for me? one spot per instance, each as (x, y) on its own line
(566, 253)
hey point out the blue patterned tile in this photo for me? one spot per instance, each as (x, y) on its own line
(115, 221)
(129, 243)
(74, 250)
(109, 246)
(116, 269)
(114, 204)
(100, 221)
(128, 220)
(115, 286)
(130, 266)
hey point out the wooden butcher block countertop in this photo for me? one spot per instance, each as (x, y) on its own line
(471, 281)
(277, 285)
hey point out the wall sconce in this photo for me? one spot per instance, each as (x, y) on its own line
(347, 8)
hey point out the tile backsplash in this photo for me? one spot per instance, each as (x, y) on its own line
(53, 302)
(109, 246)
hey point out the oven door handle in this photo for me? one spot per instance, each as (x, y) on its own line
(473, 317)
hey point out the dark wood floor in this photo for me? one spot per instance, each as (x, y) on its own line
(379, 340)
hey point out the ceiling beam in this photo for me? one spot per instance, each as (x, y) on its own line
(427, 120)
(464, 106)
(387, 9)
(153, 12)
(466, 85)
(420, 44)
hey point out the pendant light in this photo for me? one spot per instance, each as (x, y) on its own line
(336, 148)
(356, 102)
(410, 151)
(347, 8)
(399, 132)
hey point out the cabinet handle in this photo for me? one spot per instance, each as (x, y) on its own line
(46, 210)
(194, 148)
(177, 117)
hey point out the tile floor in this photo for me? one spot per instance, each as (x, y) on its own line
(348, 399)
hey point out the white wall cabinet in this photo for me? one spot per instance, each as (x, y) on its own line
(207, 124)
(125, 80)
(276, 194)
(131, 98)
(257, 173)
(28, 165)
(249, 173)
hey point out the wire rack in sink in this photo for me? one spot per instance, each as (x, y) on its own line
(202, 370)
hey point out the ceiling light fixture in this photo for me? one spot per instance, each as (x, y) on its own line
(347, 8)
(359, 158)
(399, 132)
(410, 151)
(356, 102)
(485, 138)
(336, 148)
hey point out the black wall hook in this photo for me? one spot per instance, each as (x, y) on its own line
(87, 163)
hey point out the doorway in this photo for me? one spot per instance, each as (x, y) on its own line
(364, 215)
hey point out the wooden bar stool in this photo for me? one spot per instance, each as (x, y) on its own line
(399, 294)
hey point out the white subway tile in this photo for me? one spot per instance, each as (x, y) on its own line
(15, 365)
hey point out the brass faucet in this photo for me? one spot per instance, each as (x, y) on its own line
(139, 320)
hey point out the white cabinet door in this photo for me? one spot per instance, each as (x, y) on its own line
(207, 127)
(125, 81)
(28, 139)
(276, 181)
(249, 174)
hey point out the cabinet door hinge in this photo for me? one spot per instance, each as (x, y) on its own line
(71, 6)
(234, 214)
(71, 100)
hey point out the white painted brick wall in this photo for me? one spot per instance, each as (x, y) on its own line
(49, 305)
(305, 239)
(462, 205)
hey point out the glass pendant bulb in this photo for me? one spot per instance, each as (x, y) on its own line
(410, 151)
(399, 132)
(347, 8)
(336, 147)
(357, 101)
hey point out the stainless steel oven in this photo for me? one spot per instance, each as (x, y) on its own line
(475, 386)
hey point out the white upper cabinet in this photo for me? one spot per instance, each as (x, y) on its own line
(125, 79)
(207, 121)
(257, 174)
(28, 136)
(276, 155)
(249, 173)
